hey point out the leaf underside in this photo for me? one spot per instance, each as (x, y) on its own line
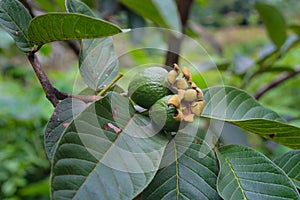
(290, 163)
(98, 62)
(192, 175)
(248, 174)
(107, 152)
(239, 108)
(63, 114)
(15, 19)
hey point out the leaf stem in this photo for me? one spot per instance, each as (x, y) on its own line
(102, 92)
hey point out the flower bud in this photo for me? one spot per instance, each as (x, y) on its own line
(186, 73)
(197, 107)
(199, 94)
(182, 84)
(180, 93)
(175, 101)
(190, 95)
(176, 68)
(194, 86)
(179, 116)
(172, 75)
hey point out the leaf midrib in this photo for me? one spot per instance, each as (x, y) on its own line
(235, 177)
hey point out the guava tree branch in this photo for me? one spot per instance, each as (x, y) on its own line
(52, 94)
(282, 78)
(174, 43)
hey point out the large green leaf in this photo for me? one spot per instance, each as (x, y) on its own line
(274, 22)
(66, 26)
(15, 19)
(107, 152)
(163, 13)
(248, 174)
(63, 114)
(191, 174)
(98, 61)
(237, 107)
(290, 163)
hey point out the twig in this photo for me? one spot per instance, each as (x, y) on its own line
(174, 43)
(52, 94)
(49, 90)
(283, 77)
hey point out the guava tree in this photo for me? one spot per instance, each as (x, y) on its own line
(102, 146)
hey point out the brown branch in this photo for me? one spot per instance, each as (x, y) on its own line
(52, 94)
(283, 77)
(174, 43)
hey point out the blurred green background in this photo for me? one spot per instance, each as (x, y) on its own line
(230, 30)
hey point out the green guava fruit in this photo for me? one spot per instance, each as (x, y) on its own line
(148, 86)
(164, 116)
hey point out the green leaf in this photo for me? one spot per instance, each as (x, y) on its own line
(191, 175)
(274, 22)
(164, 13)
(290, 163)
(15, 19)
(67, 26)
(98, 61)
(295, 28)
(248, 174)
(76, 6)
(107, 152)
(63, 114)
(46, 5)
(239, 108)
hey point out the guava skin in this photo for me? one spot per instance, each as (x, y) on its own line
(162, 115)
(148, 86)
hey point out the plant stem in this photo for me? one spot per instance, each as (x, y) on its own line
(283, 77)
(52, 94)
(49, 90)
(174, 43)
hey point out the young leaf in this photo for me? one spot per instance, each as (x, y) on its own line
(164, 13)
(192, 175)
(290, 163)
(274, 22)
(239, 108)
(248, 174)
(15, 19)
(98, 61)
(66, 26)
(107, 152)
(63, 114)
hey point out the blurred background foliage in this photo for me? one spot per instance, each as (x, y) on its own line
(230, 30)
